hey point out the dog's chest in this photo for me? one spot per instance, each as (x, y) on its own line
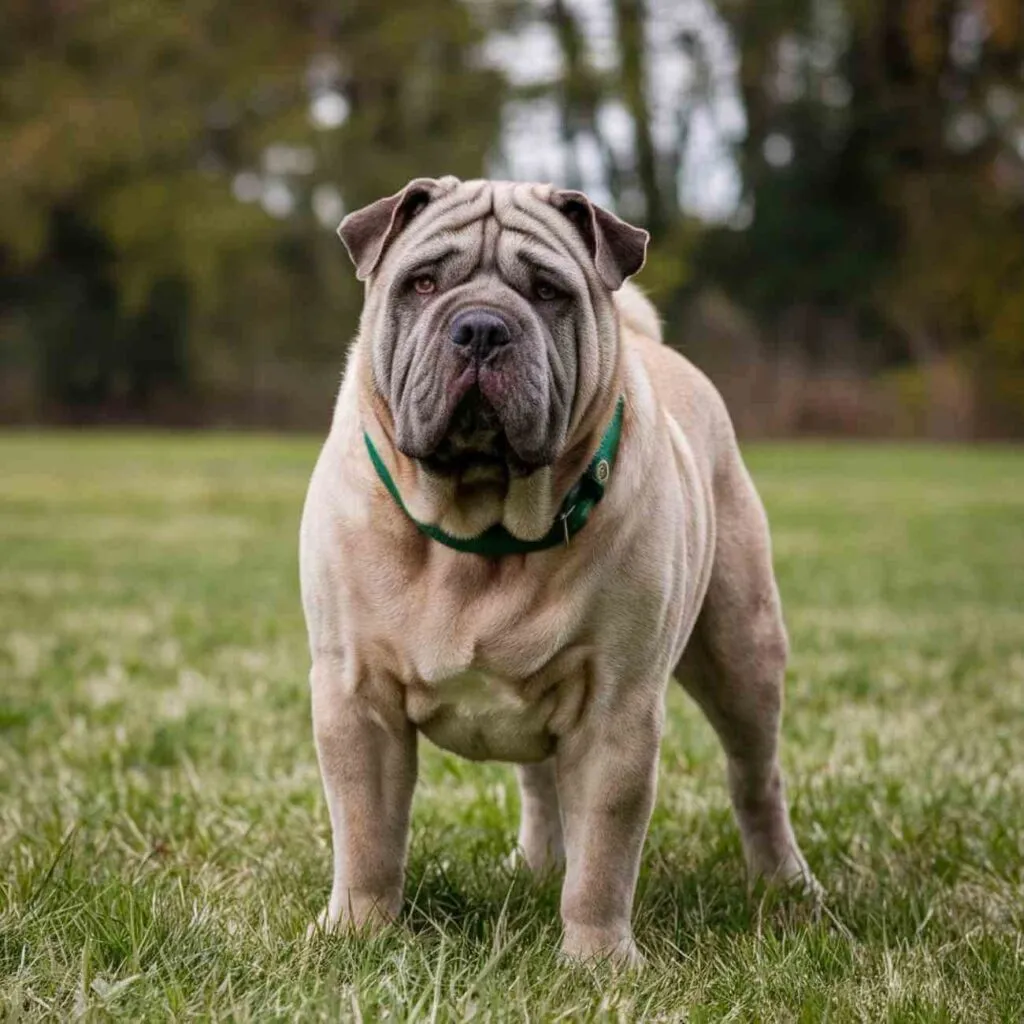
(491, 676)
(482, 716)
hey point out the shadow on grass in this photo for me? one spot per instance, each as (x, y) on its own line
(471, 892)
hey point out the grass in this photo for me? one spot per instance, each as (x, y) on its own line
(164, 843)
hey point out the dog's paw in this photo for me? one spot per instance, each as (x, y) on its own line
(361, 914)
(789, 875)
(586, 945)
(540, 864)
(808, 887)
(793, 900)
(323, 925)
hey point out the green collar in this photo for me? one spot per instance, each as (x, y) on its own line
(572, 516)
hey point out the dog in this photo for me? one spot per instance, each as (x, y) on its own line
(529, 515)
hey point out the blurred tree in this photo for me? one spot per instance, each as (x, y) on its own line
(172, 176)
(127, 125)
(419, 103)
(630, 16)
(120, 125)
(77, 328)
(580, 91)
(884, 163)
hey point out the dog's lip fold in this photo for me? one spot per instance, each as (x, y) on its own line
(467, 379)
(474, 445)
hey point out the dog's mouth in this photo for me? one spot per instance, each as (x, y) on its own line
(475, 448)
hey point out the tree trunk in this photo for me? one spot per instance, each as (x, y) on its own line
(631, 16)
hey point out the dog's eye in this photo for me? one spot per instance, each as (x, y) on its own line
(424, 284)
(546, 292)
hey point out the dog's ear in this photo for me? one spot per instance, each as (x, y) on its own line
(368, 232)
(618, 249)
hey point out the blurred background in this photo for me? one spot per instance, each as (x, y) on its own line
(835, 190)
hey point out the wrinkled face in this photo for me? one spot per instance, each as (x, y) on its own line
(490, 322)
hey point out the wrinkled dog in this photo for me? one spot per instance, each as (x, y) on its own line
(528, 516)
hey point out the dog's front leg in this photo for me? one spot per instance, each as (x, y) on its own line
(607, 772)
(367, 753)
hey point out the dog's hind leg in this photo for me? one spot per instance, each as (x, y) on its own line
(734, 667)
(540, 824)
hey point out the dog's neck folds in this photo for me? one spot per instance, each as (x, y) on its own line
(527, 508)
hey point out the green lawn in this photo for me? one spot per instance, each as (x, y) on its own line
(163, 841)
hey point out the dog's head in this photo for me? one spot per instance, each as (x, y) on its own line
(488, 312)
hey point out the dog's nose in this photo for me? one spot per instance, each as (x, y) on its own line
(480, 331)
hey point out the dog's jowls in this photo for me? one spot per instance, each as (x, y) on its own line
(496, 340)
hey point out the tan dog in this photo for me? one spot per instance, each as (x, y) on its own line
(498, 351)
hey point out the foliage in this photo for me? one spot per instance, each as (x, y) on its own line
(172, 176)
(904, 198)
(128, 123)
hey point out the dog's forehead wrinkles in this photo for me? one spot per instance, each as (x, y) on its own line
(448, 225)
(544, 227)
(519, 225)
(475, 223)
(489, 244)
